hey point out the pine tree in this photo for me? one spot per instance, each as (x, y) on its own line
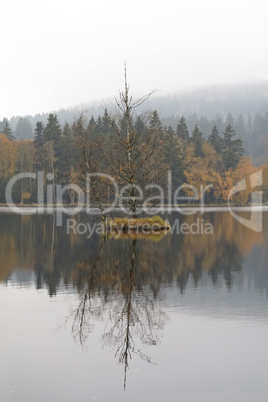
(99, 125)
(155, 122)
(66, 154)
(174, 152)
(215, 140)
(38, 144)
(38, 135)
(52, 131)
(197, 140)
(24, 129)
(182, 130)
(156, 125)
(92, 121)
(106, 122)
(53, 148)
(66, 132)
(8, 131)
(232, 149)
(240, 126)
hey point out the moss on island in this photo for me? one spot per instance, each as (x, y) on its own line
(139, 225)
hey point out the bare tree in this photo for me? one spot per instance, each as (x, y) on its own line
(135, 157)
(130, 152)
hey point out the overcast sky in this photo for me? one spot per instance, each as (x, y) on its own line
(62, 53)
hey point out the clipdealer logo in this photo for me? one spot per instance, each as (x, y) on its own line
(255, 221)
(56, 193)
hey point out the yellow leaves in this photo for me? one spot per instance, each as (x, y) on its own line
(243, 172)
(26, 195)
(16, 157)
(223, 185)
(209, 170)
(8, 151)
(228, 180)
(200, 171)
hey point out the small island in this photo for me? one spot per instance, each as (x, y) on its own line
(145, 225)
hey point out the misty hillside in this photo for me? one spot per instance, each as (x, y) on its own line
(244, 106)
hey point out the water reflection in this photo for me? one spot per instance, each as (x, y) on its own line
(33, 243)
(128, 287)
(132, 307)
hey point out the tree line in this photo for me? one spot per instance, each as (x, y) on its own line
(217, 160)
(252, 128)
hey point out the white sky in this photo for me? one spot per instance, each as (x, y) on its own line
(62, 53)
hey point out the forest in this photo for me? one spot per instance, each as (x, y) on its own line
(244, 106)
(216, 158)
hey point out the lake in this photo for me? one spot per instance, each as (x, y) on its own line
(177, 317)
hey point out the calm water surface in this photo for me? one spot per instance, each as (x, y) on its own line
(183, 317)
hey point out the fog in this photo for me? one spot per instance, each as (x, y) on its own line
(56, 54)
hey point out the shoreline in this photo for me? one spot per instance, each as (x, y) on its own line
(40, 210)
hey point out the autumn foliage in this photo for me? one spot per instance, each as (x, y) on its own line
(216, 163)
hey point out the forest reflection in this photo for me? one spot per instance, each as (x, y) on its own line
(33, 243)
(120, 279)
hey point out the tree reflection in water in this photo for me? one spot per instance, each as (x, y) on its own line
(122, 278)
(57, 258)
(87, 278)
(134, 313)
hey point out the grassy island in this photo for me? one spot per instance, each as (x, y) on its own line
(138, 225)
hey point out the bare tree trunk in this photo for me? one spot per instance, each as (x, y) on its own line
(126, 106)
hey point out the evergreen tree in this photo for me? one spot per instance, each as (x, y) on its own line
(156, 125)
(66, 132)
(174, 152)
(155, 121)
(232, 149)
(215, 140)
(92, 121)
(24, 129)
(106, 122)
(197, 140)
(240, 126)
(98, 125)
(53, 146)
(38, 144)
(182, 130)
(52, 131)
(66, 155)
(8, 131)
(139, 124)
(38, 135)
